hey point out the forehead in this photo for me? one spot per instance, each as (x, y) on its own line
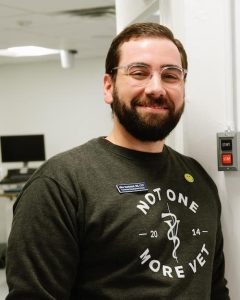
(152, 51)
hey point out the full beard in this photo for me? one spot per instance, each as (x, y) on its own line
(149, 127)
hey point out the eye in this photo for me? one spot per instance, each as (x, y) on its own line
(138, 73)
(171, 75)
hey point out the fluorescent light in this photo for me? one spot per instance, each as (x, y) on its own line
(27, 51)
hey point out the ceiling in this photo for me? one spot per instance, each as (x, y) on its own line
(87, 26)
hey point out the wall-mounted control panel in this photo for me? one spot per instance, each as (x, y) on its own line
(228, 147)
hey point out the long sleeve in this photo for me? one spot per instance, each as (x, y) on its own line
(219, 288)
(43, 247)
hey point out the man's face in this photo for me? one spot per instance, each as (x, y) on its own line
(150, 111)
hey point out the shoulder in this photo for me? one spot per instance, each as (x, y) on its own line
(183, 159)
(70, 159)
(191, 164)
(64, 169)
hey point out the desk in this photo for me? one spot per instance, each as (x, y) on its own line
(10, 196)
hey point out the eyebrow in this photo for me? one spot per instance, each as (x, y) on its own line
(147, 65)
(139, 64)
(171, 66)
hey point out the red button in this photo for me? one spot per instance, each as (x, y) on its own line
(227, 159)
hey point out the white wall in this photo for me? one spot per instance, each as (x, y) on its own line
(64, 104)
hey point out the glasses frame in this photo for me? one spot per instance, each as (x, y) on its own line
(127, 67)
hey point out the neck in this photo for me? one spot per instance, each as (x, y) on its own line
(119, 136)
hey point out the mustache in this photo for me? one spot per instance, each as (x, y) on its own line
(161, 101)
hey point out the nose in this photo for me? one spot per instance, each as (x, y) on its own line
(155, 86)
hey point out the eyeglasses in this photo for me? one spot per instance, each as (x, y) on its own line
(141, 74)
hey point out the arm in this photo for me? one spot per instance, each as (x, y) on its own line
(219, 288)
(43, 247)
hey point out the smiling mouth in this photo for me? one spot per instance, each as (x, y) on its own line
(154, 106)
(160, 105)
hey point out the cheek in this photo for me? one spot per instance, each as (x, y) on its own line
(127, 93)
(177, 96)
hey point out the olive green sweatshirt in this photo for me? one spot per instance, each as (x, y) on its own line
(105, 222)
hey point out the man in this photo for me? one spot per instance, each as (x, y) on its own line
(123, 217)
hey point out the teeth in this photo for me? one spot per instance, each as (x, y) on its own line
(154, 106)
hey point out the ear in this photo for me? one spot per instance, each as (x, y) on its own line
(108, 88)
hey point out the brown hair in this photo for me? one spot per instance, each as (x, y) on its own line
(139, 30)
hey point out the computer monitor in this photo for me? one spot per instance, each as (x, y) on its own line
(22, 148)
